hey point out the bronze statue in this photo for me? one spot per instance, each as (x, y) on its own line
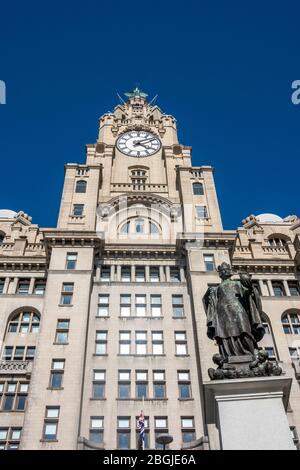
(234, 321)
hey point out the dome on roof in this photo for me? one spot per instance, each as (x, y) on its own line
(7, 214)
(269, 218)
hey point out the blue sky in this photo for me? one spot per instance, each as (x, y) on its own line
(224, 69)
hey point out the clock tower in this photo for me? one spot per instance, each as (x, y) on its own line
(137, 155)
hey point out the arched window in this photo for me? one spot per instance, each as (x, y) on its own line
(80, 186)
(25, 321)
(125, 227)
(291, 323)
(153, 228)
(139, 225)
(198, 189)
(2, 236)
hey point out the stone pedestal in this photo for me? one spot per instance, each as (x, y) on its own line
(250, 414)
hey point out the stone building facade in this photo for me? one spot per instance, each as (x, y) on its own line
(102, 317)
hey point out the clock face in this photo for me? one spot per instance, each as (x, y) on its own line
(138, 143)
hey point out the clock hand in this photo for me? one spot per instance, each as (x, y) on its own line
(147, 140)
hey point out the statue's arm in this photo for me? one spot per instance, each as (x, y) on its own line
(246, 282)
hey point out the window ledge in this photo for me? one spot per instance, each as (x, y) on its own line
(65, 305)
(182, 355)
(99, 316)
(48, 440)
(100, 355)
(142, 355)
(185, 399)
(142, 399)
(147, 317)
(60, 344)
(54, 389)
(179, 318)
(97, 399)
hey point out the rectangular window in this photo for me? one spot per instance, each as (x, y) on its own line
(278, 289)
(105, 273)
(67, 293)
(209, 261)
(125, 274)
(157, 343)
(96, 429)
(177, 303)
(124, 342)
(51, 423)
(124, 384)
(140, 274)
(39, 287)
(123, 433)
(57, 372)
(62, 331)
(159, 384)
(98, 384)
(156, 305)
(294, 288)
(30, 353)
(174, 274)
(103, 305)
(154, 274)
(23, 286)
(71, 261)
(10, 438)
(141, 342)
(78, 210)
(184, 384)
(140, 305)
(125, 305)
(180, 343)
(19, 353)
(101, 343)
(7, 353)
(141, 384)
(271, 353)
(294, 353)
(161, 427)
(2, 282)
(188, 429)
(201, 212)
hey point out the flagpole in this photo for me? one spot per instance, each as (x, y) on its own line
(143, 441)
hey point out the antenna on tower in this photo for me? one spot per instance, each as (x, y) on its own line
(121, 99)
(153, 101)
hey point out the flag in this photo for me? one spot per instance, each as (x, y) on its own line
(141, 427)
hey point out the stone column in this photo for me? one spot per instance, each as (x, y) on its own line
(147, 273)
(270, 287)
(112, 272)
(118, 273)
(132, 273)
(6, 285)
(168, 279)
(161, 274)
(13, 286)
(31, 285)
(286, 288)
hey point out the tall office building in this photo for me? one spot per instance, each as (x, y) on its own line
(103, 317)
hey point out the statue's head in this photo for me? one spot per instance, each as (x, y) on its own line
(262, 356)
(225, 271)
